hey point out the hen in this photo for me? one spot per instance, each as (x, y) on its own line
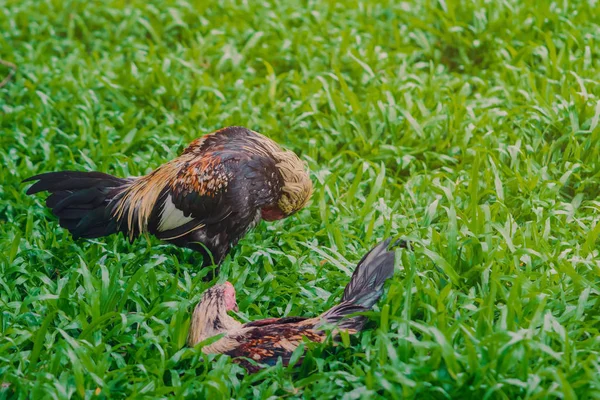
(206, 199)
(262, 342)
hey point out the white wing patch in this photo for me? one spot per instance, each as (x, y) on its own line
(171, 217)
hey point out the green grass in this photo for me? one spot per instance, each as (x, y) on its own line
(472, 128)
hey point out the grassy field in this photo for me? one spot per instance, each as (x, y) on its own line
(471, 128)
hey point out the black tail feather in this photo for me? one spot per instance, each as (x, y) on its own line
(365, 287)
(81, 200)
(71, 180)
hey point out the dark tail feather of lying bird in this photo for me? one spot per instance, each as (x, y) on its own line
(365, 287)
(81, 200)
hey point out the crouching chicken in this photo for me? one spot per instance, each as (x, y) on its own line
(259, 343)
(206, 199)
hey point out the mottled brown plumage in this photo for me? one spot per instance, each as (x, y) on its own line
(221, 186)
(263, 342)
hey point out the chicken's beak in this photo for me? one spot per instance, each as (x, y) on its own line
(235, 307)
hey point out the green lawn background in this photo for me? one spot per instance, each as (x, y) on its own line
(471, 128)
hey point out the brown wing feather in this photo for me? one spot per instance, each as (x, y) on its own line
(207, 175)
(266, 344)
(199, 191)
(272, 321)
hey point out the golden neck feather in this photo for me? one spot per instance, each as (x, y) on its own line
(209, 319)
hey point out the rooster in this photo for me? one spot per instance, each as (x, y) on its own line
(259, 343)
(206, 199)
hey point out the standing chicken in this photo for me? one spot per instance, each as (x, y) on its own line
(266, 340)
(205, 199)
